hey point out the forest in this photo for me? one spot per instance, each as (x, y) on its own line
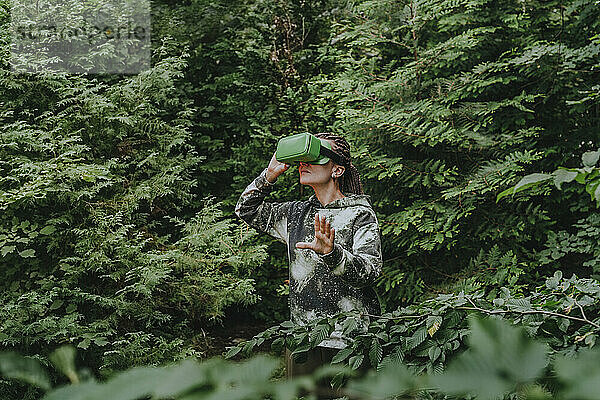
(474, 126)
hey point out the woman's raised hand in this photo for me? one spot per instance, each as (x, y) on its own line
(324, 237)
(275, 169)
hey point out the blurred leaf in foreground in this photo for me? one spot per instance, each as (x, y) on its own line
(500, 357)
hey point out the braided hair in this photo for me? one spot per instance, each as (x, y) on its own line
(350, 180)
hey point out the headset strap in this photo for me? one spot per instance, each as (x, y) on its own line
(334, 156)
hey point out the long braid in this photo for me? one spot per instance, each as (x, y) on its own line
(350, 180)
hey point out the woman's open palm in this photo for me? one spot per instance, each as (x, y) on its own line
(324, 237)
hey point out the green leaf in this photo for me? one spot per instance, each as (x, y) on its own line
(433, 324)
(434, 352)
(144, 382)
(287, 324)
(563, 175)
(88, 177)
(233, 351)
(396, 356)
(525, 183)
(580, 376)
(27, 253)
(531, 180)
(277, 344)
(417, 338)
(328, 370)
(504, 193)
(318, 334)
(349, 325)
(249, 345)
(375, 353)
(63, 359)
(100, 341)
(7, 249)
(301, 349)
(590, 158)
(338, 380)
(180, 378)
(56, 304)
(356, 361)
(28, 370)
(84, 344)
(86, 390)
(48, 230)
(500, 357)
(393, 380)
(342, 355)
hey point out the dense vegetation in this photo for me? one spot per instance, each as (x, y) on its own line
(117, 232)
(500, 359)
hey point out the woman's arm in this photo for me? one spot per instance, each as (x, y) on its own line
(361, 266)
(267, 217)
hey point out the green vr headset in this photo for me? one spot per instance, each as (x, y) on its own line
(307, 148)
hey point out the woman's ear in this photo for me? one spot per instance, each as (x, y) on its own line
(337, 171)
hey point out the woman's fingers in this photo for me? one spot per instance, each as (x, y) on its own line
(283, 167)
(324, 236)
(322, 226)
(275, 168)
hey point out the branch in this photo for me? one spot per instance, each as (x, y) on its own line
(580, 308)
(392, 318)
(490, 312)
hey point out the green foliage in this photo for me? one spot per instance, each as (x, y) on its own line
(589, 176)
(248, 64)
(491, 368)
(105, 242)
(28, 370)
(500, 360)
(425, 336)
(187, 379)
(579, 241)
(446, 104)
(116, 192)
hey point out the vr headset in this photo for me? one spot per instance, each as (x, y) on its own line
(304, 147)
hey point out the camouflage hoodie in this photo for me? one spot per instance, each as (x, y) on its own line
(321, 284)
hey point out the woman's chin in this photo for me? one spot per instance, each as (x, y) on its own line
(304, 180)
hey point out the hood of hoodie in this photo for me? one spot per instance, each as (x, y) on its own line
(347, 201)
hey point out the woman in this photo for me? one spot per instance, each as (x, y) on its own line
(333, 242)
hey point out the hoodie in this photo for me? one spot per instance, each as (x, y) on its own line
(321, 285)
